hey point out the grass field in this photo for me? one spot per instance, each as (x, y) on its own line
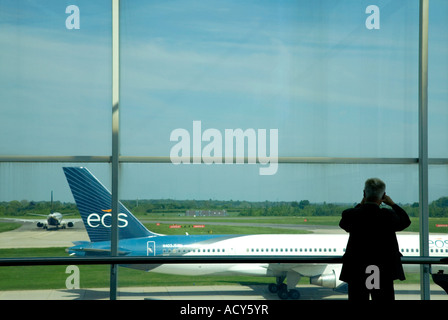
(96, 276)
(164, 228)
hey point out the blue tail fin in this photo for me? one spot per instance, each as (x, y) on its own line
(94, 204)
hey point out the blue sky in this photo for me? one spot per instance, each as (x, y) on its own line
(310, 69)
(306, 70)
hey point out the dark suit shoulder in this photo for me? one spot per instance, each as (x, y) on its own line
(348, 218)
(399, 219)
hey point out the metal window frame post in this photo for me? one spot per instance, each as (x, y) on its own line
(115, 143)
(423, 145)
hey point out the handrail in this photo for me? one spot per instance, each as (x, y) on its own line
(195, 259)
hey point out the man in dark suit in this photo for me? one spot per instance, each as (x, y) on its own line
(372, 253)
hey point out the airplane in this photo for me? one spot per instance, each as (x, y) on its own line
(93, 200)
(54, 219)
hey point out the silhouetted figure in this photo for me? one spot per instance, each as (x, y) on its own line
(372, 258)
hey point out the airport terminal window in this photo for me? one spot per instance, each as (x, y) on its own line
(438, 78)
(313, 71)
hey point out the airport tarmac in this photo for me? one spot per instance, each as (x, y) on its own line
(30, 236)
(221, 292)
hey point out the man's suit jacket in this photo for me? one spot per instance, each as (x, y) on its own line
(372, 241)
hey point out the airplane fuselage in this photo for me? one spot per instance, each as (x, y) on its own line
(248, 245)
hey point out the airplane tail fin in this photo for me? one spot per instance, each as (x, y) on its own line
(94, 204)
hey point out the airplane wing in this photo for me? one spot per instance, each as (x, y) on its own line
(37, 214)
(40, 222)
(23, 220)
(46, 215)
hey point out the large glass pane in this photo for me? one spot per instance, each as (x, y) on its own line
(318, 71)
(39, 218)
(55, 77)
(193, 200)
(438, 79)
(29, 193)
(438, 221)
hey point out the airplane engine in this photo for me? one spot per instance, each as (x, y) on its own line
(40, 224)
(329, 278)
(325, 280)
(70, 224)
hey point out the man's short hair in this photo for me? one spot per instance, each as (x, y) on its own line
(374, 189)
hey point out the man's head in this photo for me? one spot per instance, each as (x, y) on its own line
(374, 189)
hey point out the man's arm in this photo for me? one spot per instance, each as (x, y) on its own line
(343, 224)
(402, 220)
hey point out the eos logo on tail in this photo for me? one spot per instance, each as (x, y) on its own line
(94, 220)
